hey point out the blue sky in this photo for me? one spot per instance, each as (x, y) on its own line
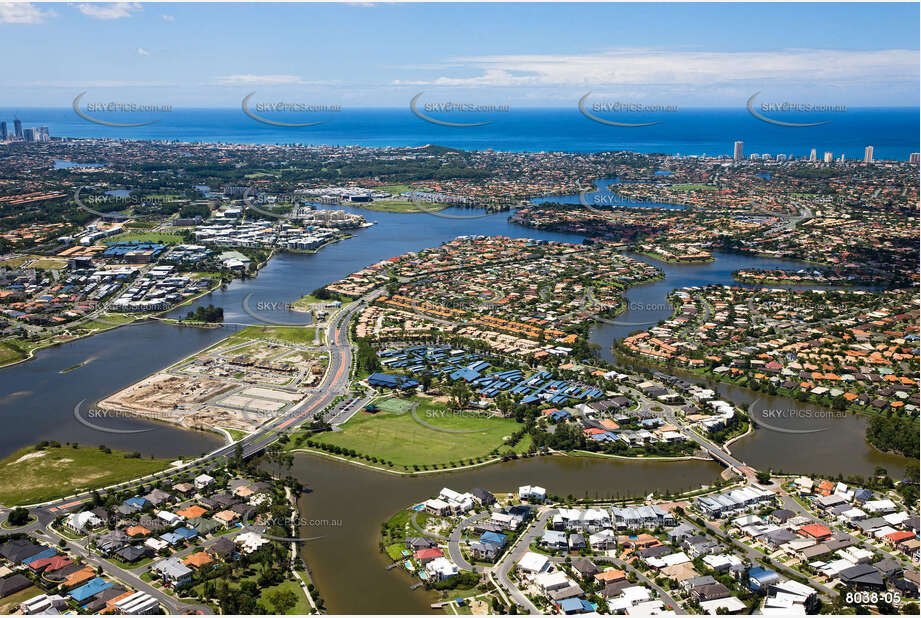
(380, 55)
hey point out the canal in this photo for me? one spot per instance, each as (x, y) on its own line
(357, 501)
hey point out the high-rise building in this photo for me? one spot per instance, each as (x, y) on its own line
(737, 151)
(868, 154)
(829, 157)
(3, 131)
(753, 156)
(841, 158)
(781, 157)
(28, 135)
(914, 157)
(812, 155)
(17, 127)
(43, 134)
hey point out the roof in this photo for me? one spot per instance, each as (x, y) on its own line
(198, 559)
(90, 589)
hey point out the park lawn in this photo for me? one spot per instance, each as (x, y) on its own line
(395, 189)
(107, 321)
(404, 441)
(157, 237)
(27, 477)
(284, 334)
(10, 353)
(302, 607)
(15, 262)
(49, 264)
(399, 206)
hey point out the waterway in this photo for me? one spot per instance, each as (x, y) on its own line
(346, 506)
(37, 402)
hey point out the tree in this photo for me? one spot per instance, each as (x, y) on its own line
(283, 600)
(763, 477)
(460, 395)
(18, 516)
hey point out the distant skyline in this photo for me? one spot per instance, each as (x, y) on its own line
(537, 55)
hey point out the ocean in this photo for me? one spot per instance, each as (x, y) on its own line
(893, 132)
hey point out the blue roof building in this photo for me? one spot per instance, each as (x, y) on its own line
(493, 538)
(186, 533)
(45, 553)
(760, 579)
(172, 538)
(387, 380)
(89, 589)
(137, 502)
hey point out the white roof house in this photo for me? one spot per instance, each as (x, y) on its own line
(533, 562)
(202, 480)
(532, 492)
(441, 568)
(81, 521)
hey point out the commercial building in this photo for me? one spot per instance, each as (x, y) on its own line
(737, 151)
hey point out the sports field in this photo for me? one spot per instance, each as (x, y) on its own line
(423, 437)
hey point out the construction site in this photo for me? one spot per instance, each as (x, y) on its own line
(236, 386)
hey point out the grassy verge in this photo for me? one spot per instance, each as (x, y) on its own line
(30, 475)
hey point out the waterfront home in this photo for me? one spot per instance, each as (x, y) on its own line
(458, 502)
(482, 496)
(532, 493)
(250, 542)
(441, 568)
(589, 520)
(426, 555)
(641, 517)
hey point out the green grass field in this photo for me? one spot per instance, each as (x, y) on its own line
(284, 334)
(400, 206)
(159, 237)
(29, 476)
(10, 354)
(395, 405)
(404, 441)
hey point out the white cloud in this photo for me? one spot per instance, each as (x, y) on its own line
(22, 13)
(143, 52)
(168, 18)
(680, 68)
(116, 10)
(259, 80)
